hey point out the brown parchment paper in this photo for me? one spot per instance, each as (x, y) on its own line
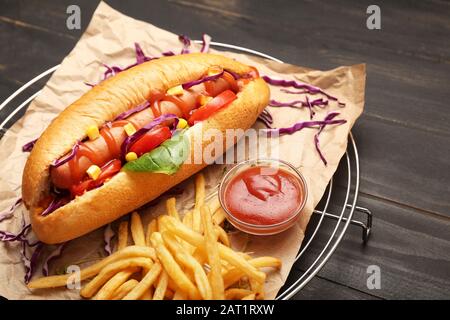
(110, 39)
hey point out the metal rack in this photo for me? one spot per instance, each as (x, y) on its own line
(343, 219)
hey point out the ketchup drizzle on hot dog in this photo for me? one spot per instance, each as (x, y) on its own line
(109, 140)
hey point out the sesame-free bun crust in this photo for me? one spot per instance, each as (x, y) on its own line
(126, 191)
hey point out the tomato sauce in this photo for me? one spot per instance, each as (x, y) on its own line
(263, 195)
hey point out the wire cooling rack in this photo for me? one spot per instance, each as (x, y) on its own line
(342, 219)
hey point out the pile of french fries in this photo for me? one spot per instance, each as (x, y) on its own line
(175, 258)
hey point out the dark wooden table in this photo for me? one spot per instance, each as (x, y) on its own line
(403, 135)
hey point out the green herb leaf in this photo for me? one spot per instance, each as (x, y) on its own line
(167, 158)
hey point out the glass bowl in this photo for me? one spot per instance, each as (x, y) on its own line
(263, 229)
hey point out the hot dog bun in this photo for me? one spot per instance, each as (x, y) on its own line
(126, 191)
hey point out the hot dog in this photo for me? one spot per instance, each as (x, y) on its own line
(74, 183)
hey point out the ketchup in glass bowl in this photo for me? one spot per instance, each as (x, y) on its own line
(264, 196)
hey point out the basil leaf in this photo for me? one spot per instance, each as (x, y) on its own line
(167, 158)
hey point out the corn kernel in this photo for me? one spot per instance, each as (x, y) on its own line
(214, 70)
(204, 99)
(182, 123)
(175, 91)
(92, 132)
(131, 156)
(94, 171)
(129, 129)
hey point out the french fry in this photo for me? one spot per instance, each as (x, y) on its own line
(199, 254)
(184, 258)
(147, 295)
(179, 295)
(172, 285)
(199, 202)
(212, 250)
(219, 216)
(249, 297)
(226, 253)
(257, 288)
(187, 219)
(91, 271)
(196, 220)
(172, 208)
(222, 235)
(233, 275)
(94, 285)
(161, 224)
(137, 230)
(172, 268)
(236, 293)
(214, 205)
(199, 190)
(123, 235)
(123, 290)
(161, 286)
(151, 227)
(108, 289)
(145, 283)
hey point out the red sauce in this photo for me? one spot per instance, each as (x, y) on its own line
(263, 195)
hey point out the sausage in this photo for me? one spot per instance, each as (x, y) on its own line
(62, 176)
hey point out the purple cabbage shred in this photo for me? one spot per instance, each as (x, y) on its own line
(190, 84)
(29, 146)
(328, 120)
(186, 43)
(300, 85)
(68, 157)
(8, 213)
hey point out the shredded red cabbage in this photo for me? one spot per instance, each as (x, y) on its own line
(130, 112)
(140, 56)
(308, 124)
(30, 263)
(266, 118)
(108, 235)
(190, 84)
(299, 103)
(149, 126)
(52, 256)
(300, 85)
(174, 126)
(310, 107)
(10, 237)
(21, 237)
(206, 42)
(168, 53)
(8, 213)
(54, 204)
(186, 43)
(330, 116)
(65, 159)
(328, 120)
(29, 146)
